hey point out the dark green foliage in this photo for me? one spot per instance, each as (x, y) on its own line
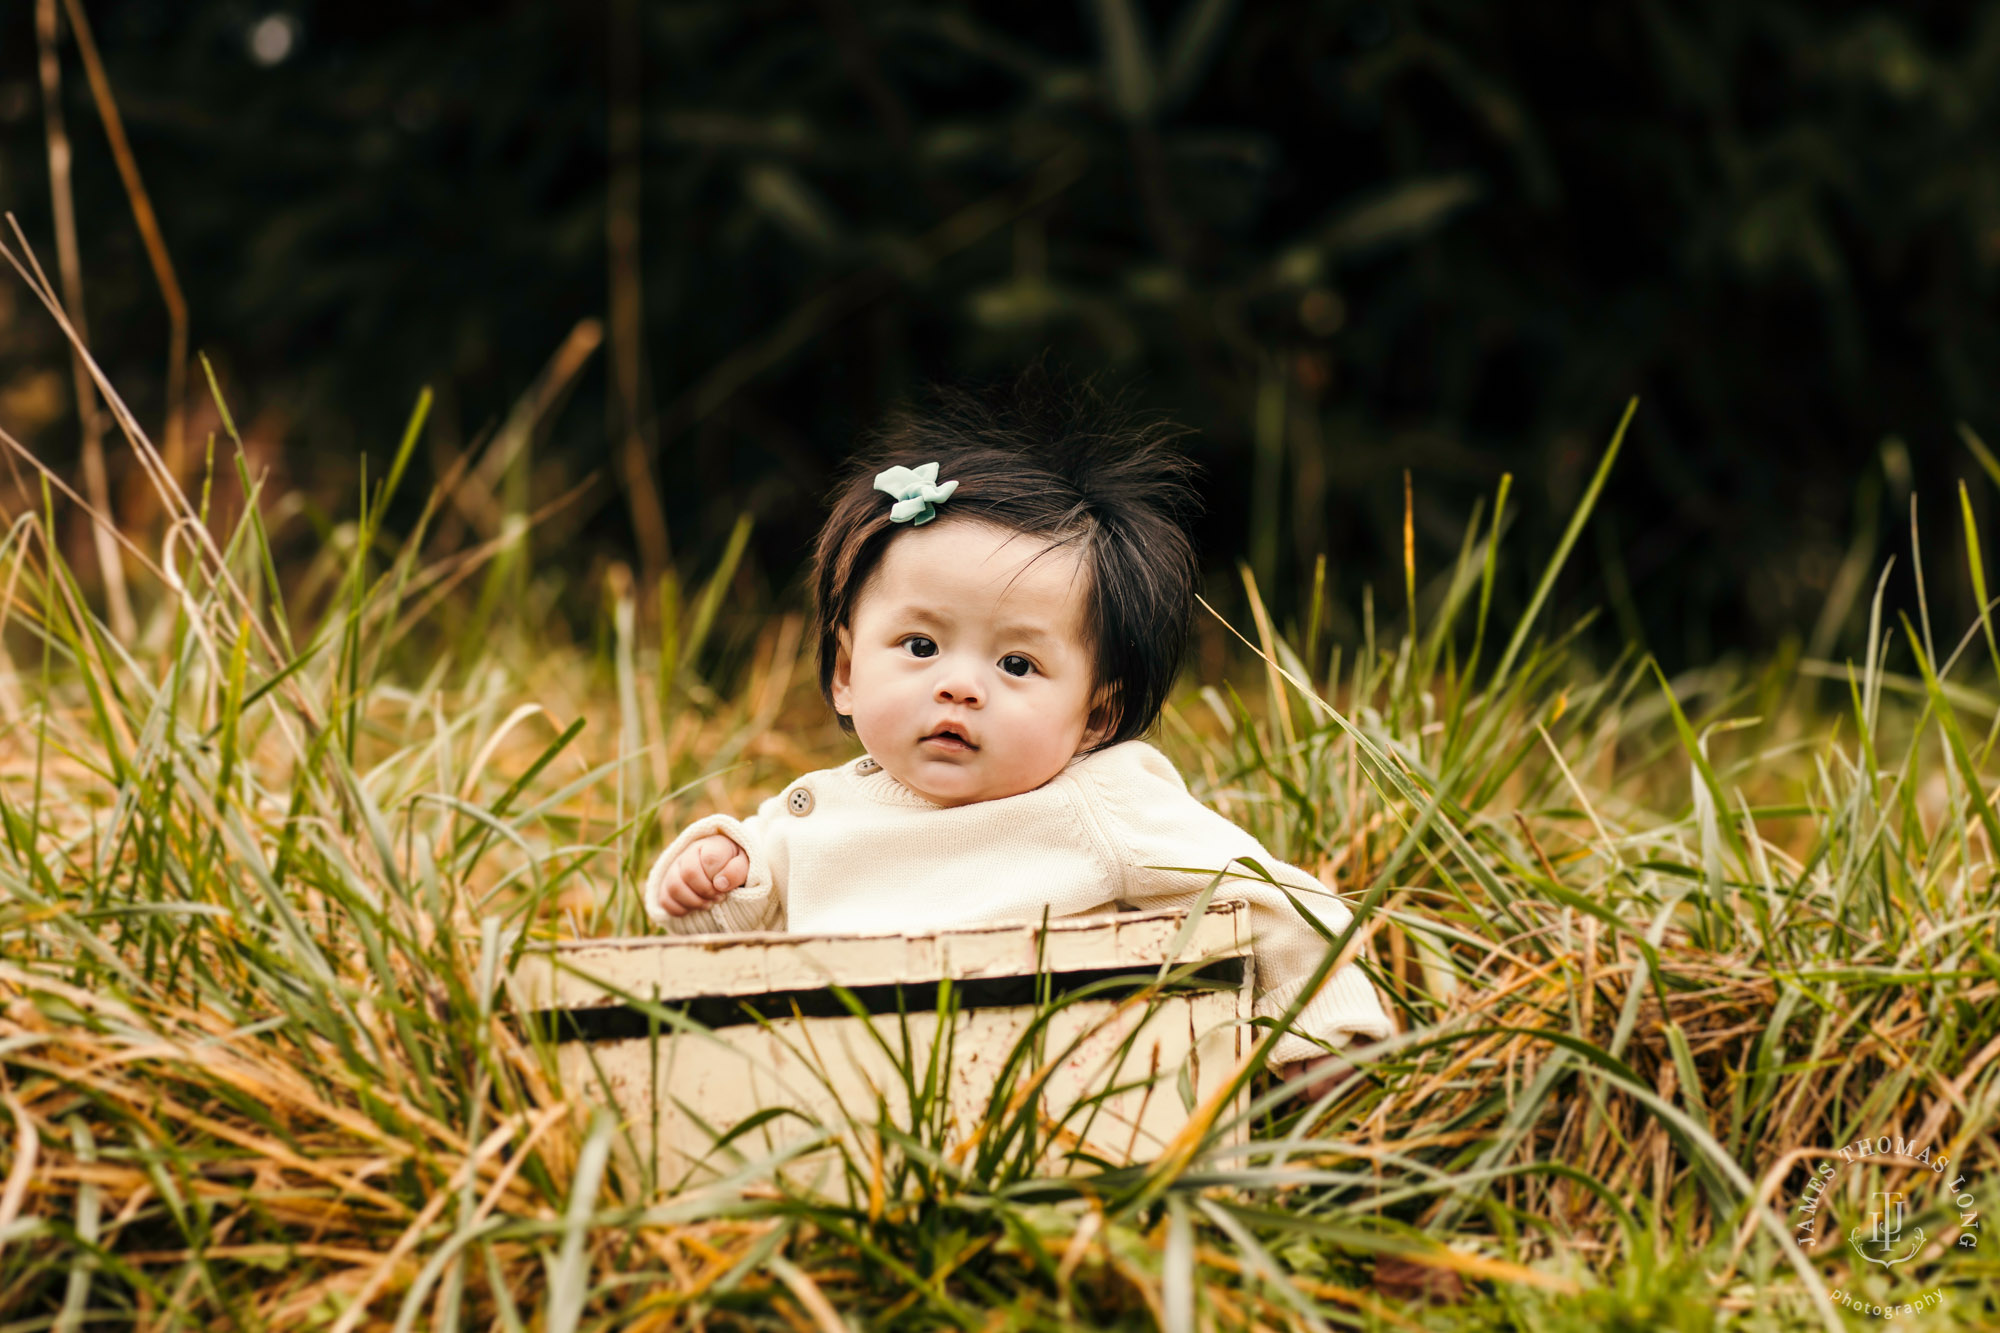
(1342, 239)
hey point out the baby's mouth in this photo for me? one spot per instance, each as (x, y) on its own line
(949, 738)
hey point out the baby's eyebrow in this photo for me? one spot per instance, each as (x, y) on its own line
(1028, 632)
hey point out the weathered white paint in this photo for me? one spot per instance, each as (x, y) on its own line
(834, 1071)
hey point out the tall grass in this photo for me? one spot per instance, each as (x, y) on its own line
(1655, 946)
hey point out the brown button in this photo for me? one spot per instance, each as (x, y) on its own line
(867, 765)
(800, 802)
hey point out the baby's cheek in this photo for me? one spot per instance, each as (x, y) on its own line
(1049, 741)
(872, 722)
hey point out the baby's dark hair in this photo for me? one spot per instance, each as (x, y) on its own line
(1050, 459)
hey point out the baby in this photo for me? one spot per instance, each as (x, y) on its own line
(1002, 596)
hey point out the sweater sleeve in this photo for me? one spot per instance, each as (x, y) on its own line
(758, 905)
(1171, 845)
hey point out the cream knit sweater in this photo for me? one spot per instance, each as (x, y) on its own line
(851, 850)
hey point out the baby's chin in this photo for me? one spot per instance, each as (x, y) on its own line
(950, 785)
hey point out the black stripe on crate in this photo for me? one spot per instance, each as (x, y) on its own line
(614, 1022)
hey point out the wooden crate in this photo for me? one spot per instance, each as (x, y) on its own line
(677, 1090)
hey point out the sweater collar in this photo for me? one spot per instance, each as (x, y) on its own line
(873, 781)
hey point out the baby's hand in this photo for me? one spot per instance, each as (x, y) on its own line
(706, 870)
(1324, 1074)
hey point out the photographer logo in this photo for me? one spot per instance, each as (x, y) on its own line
(1885, 1232)
(1889, 1182)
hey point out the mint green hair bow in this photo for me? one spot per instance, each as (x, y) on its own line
(916, 492)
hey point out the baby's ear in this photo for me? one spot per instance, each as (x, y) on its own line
(843, 672)
(1103, 719)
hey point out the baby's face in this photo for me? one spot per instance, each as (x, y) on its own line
(965, 668)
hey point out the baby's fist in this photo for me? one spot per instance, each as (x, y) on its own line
(1323, 1074)
(706, 870)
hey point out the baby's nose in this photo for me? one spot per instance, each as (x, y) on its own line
(959, 688)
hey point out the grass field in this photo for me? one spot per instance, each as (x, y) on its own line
(1660, 948)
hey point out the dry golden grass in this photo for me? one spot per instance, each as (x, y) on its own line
(263, 868)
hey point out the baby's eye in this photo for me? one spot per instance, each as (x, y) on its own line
(1016, 665)
(920, 646)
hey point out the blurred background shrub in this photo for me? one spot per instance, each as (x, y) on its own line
(1340, 239)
